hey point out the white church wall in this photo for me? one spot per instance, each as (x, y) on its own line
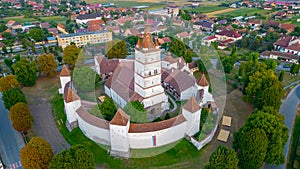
(187, 94)
(147, 57)
(119, 138)
(117, 99)
(97, 66)
(154, 100)
(162, 137)
(147, 82)
(63, 81)
(107, 91)
(70, 109)
(193, 121)
(97, 134)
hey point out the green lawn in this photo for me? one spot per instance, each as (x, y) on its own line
(19, 19)
(205, 9)
(242, 12)
(294, 143)
(56, 19)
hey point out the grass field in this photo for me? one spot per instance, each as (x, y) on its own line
(205, 9)
(294, 142)
(19, 19)
(241, 12)
(57, 19)
(151, 4)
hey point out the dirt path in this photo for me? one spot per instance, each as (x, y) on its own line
(212, 14)
(44, 125)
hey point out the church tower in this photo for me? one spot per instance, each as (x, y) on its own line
(147, 72)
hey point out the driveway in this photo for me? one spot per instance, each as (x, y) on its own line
(44, 125)
(288, 109)
(11, 141)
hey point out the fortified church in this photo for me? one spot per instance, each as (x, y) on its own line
(147, 79)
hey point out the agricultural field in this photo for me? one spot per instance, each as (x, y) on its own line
(241, 12)
(205, 9)
(151, 4)
(19, 19)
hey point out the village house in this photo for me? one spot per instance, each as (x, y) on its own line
(84, 18)
(205, 26)
(255, 23)
(132, 32)
(288, 27)
(288, 44)
(286, 57)
(183, 35)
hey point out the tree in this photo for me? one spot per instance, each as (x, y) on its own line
(81, 59)
(8, 82)
(263, 88)
(20, 117)
(252, 148)
(296, 31)
(276, 132)
(222, 158)
(85, 78)
(178, 48)
(136, 111)
(4, 49)
(271, 64)
(77, 157)
(3, 27)
(47, 65)
(12, 97)
(108, 108)
(188, 57)
(295, 69)
(36, 154)
(227, 64)
(26, 72)
(37, 34)
(70, 55)
(186, 16)
(116, 49)
(281, 75)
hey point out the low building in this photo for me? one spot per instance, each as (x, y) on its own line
(84, 18)
(81, 39)
(287, 57)
(206, 26)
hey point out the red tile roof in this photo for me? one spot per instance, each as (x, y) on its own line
(230, 33)
(120, 118)
(284, 41)
(202, 81)
(70, 96)
(192, 105)
(295, 47)
(156, 126)
(65, 71)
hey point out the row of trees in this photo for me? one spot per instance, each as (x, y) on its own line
(264, 135)
(38, 153)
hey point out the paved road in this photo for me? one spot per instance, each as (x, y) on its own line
(288, 109)
(11, 141)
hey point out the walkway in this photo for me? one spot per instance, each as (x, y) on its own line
(288, 109)
(173, 102)
(44, 125)
(11, 141)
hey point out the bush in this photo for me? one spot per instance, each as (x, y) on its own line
(235, 85)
